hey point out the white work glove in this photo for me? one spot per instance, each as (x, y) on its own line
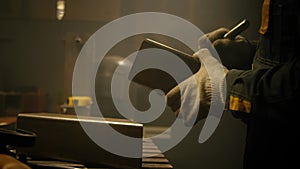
(191, 101)
(195, 100)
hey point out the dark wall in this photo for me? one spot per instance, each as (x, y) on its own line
(34, 55)
(32, 40)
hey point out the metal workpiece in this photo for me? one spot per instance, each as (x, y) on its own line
(61, 137)
(160, 79)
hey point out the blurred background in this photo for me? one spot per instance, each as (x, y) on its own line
(40, 41)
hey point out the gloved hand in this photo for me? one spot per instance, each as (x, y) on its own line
(210, 87)
(191, 101)
(235, 53)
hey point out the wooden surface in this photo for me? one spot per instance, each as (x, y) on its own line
(156, 159)
(4, 121)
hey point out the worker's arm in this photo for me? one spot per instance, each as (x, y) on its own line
(260, 85)
(278, 84)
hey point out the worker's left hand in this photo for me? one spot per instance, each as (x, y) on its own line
(193, 102)
(234, 53)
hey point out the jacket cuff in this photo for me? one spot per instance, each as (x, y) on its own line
(231, 77)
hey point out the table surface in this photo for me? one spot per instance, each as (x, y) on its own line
(4, 121)
(154, 160)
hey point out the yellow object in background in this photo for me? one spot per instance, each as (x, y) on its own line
(79, 101)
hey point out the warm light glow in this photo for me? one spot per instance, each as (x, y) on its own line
(60, 9)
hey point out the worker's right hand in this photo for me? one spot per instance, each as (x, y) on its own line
(192, 98)
(235, 53)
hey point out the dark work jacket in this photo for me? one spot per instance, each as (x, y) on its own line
(267, 98)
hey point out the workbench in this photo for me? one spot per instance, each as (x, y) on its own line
(158, 161)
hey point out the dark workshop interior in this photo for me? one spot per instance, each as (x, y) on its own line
(38, 50)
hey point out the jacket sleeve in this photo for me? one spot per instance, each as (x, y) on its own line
(270, 85)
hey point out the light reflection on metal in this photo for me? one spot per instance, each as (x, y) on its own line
(60, 9)
(62, 117)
